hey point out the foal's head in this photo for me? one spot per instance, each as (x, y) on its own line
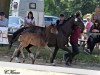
(52, 29)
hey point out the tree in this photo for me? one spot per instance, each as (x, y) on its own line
(68, 7)
(4, 6)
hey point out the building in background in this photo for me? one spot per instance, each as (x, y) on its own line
(22, 7)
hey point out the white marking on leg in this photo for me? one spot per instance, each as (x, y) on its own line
(22, 54)
(17, 60)
(21, 50)
(31, 55)
(15, 52)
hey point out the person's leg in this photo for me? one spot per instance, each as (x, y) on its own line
(92, 40)
(96, 39)
(67, 56)
(75, 50)
(90, 44)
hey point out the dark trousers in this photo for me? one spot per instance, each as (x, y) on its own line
(75, 51)
(91, 42)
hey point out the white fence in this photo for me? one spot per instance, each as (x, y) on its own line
(4, 35)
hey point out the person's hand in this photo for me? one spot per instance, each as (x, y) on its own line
(85, 30)
(95, 30)
(30, 23)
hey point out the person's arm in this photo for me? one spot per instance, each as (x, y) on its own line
(4, 23)
(92, 27)
(93, 30)
(33, 22)
(26, 23)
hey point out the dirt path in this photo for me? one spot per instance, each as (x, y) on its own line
(42, 62)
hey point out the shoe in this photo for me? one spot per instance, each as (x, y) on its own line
(87, 51)
(68, 64)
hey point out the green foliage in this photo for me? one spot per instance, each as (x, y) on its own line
(88, 58)
(68, 7)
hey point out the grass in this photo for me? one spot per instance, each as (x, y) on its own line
(45, 54)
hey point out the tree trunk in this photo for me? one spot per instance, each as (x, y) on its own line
(5, 6)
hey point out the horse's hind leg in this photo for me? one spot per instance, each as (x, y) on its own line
(15, 54)
(19, 49)
(23, 56)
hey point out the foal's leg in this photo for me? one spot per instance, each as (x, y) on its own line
(15, 54)
(46, 47)
(30, 53)
(23, 56)
(54, 55)
(36, 55)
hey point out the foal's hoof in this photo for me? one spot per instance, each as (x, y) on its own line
(53, 64)
(18, 62)
(33, 61)
(11, 59)
(24, 61)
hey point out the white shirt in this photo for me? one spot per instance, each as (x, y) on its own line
(30, 21)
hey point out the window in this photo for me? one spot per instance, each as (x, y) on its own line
(48, 19)
(32, 5)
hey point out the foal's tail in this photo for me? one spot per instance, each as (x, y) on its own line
(15, 36)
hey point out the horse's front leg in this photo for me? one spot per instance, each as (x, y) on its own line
(54, 55)
(36, 55)
(67, 56)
